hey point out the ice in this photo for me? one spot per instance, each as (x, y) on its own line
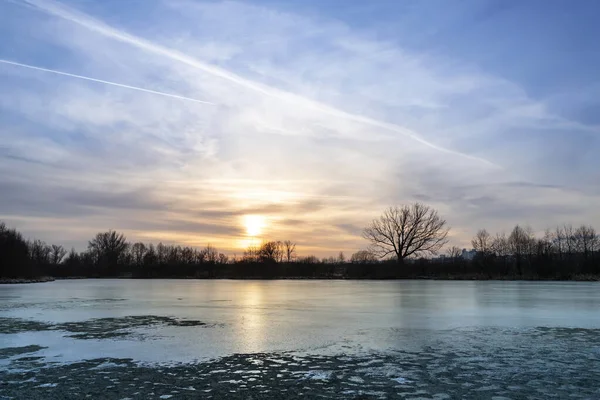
(46, 385)
(318, 375)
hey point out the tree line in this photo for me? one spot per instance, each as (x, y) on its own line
(405, 242)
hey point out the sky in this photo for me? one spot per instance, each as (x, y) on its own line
(232, 122)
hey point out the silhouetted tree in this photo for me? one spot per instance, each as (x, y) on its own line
(410, 230)
(251, 254)
(57, 253)
(569, 239)
(482, 242)
(270, 252)
(563, 253)
(521, 243)
(73, 264)
(309, 260)
(14, 254)
(586, 240)
(289, 249)
(454, 253)
(210, 254)
(109, 249)
(500, 245)
(161, 253)
(138, 251)
(363, 257)
(39, 252)
(188, 255)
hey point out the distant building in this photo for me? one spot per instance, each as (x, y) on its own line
(468, 254)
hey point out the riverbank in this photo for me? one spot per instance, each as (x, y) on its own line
(14, 281)
(466, 277)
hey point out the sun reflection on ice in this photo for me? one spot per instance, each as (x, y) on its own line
(253, 318)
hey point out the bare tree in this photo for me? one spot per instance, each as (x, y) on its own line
(39, 252)
(161, 253)
(57, 253)
(309, 260)
(454, 253)
(223, 259)
(544, 245)
(482, 242)
(210, 254)
(289, 249)
(281, 256)
(558, 241)
(363, 257)
(410, 230)
(569, 239)
(109, 249)
(341, 257)
(251, 254)
(500, 245)
(138, 251)
(270, 251)
(585, 240)
(188, 255)
(521, 241)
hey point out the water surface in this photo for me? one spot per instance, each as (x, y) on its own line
(370, 338)
(265, 316)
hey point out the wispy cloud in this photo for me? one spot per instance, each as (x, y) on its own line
(87, 78)
(104, 29)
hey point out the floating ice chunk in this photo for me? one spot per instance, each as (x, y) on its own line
(401, 381)
(107, 364)
(166, 396)
(356, 379)
(45, 385)
(318, 375)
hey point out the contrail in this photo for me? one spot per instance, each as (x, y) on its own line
(58, 9)
(87, 78)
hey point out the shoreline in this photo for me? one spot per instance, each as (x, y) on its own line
(16, 281)
(579, 278)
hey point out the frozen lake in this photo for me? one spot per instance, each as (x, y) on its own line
(435, 330)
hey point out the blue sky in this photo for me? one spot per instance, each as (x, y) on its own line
(313, 115)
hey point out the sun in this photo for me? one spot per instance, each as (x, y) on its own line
(254, 224)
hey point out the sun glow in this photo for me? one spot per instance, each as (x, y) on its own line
(254, 224)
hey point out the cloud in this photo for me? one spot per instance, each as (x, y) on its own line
(317, 125)
(57, 9)
(87, 78)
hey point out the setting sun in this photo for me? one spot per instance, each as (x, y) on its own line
(254, 224)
